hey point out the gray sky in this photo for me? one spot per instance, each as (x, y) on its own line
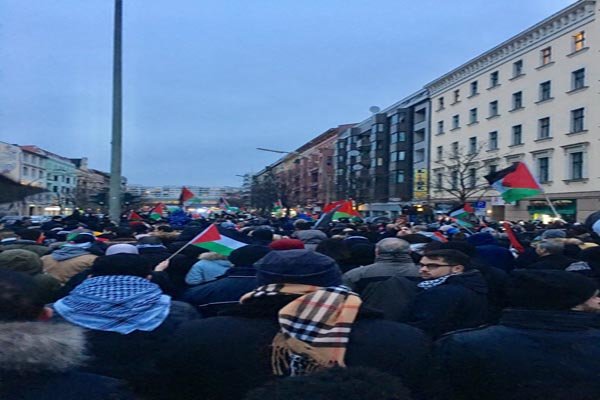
(206, 82)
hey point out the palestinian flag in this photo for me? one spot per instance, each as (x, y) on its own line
(514, 183)
(133, 216)
(215, 240)
(157, 212)
(345, 209)
(461, 215)
(187, 195)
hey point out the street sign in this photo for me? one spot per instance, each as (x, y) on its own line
(479, 204)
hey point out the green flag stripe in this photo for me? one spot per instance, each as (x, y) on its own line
(519, 193)
(216, 247)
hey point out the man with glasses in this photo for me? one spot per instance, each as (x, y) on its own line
(452, 295)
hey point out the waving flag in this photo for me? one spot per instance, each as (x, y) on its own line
(514, 183)
(133, 216)
(461, 215)
(345, 209)
(187, 195)
(157, 212)
(216, 240)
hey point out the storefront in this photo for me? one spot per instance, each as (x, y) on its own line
(541, 210)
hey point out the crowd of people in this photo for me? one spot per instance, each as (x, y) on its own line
(95, 310)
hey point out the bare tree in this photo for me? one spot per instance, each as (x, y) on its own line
(461, 176)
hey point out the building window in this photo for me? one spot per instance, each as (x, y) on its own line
(492, 168)
(493, 108)
(454, 179)
(494, 79)
(578, 79)
(401, 155)
(439, 180)
(377, 128)
(440, 153)
(474, 88)
(473, 145)
(68, 180)
(472, 177)
(517, 68)
(394, 119)
(473, 116)
(55, 178)
(455, 149)
(545, 91)
(544, 128)
(456, 95)
(379, 161)
(455, 121)
(441, 103)
(400, 176)
(546, 56)
(577, 120)
(25, 171)
(419, 155)
(493, 141)
(440, 127)
(576, 165)
(402, 136)
(517, 100)
(543, 169)
(579, 41)
(55, 189)
(517, 135)
(394, 138)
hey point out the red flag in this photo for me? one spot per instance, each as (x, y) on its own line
(186, 194)
(513, 238)
(133, 216)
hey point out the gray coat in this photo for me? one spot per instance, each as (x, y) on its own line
(385, 266)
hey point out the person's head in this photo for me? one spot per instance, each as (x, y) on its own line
(438, 263)
(391, 228)
(20, 260)
(554, 234)
(301, 225)
(20, 299)
(354, 383)
(552, 290)
(246, 256)
(84, 237)
(121, 264)
(298, 266)
(549, 246)
(391, 247)
(334, 248)
(150, 241)
(404, 230)
(286, 244)
(263, 235)
(212, 256)
(30, 234)
(121, 249)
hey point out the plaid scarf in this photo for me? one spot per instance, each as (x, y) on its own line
(314, 328)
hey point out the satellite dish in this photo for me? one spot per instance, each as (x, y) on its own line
(374, 109)
(354, 153)
(357, 167)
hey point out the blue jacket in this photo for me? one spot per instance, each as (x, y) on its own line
(489, 250)
(531, 354)
(206, 271)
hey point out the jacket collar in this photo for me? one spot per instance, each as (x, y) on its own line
(550, 320)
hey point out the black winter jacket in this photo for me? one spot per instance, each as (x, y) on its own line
(533, 355)
(460, 302)
(223, 357)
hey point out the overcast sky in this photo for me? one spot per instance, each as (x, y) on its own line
(208, 81)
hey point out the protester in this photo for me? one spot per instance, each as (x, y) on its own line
(544, 347)
(453, 295)
(210, 266)
(26, 239)
(551, 255)
(489, 250)
(71, 258)
(29, 263)
(42, 360)
(310, 237)
(224, 357)
(391, 259)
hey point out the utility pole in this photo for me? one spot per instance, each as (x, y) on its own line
(114, 200)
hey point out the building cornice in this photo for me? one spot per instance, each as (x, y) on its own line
(582, 11)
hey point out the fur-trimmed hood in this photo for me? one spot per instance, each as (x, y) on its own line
(37, 347)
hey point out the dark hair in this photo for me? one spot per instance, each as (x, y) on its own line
(20, 298)
(29, 234)
(154, 240)
(84, 238)
(450, 256)
(164, 228)
(357, 383)
(334, 248)
(121, 264)
(301, 225)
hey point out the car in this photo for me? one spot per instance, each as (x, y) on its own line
(11, 219)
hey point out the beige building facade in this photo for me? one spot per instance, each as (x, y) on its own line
(534, 98)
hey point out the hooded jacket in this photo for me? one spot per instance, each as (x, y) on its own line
(39, 360)
(68, 261)
(530, 354)
(30, 264)
(460, 302)
(25, 245)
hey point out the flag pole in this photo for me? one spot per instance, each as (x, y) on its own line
(552, 206)
(187, 244)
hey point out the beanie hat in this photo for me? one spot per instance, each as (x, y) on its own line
(298, 266)
(554, 234)
(19, 260)
(121, 264)
(246, 256)
(287, 244)
(122, 249)
(548, 290)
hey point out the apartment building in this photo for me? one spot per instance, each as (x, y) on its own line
(533, 98)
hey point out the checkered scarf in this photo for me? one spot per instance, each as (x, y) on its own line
(314, 328)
